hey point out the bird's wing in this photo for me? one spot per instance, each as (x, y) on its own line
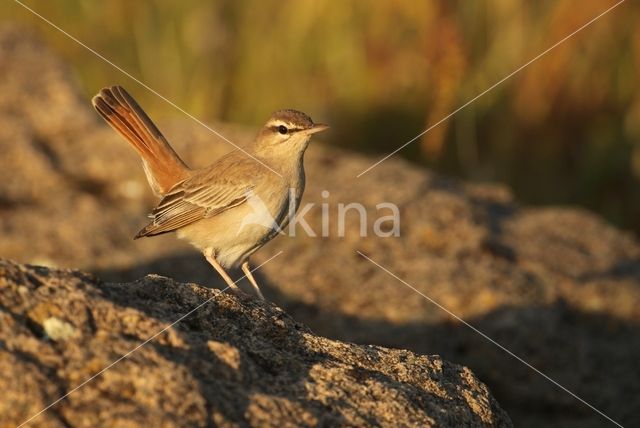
(204, 195)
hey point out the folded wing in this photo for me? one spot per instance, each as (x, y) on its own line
(202, 196)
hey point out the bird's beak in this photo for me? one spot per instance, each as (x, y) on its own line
(318, 127)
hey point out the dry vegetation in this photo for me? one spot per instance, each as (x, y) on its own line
(563, 131)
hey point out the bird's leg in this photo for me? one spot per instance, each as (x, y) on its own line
(252, 280)
(208, 254)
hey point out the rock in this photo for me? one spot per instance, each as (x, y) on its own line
(229, 360)
(557, 286)
(58, 330)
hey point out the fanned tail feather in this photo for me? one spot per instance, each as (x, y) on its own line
(162, 165)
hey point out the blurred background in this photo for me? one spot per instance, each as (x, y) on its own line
(558, 286)
(563, 131)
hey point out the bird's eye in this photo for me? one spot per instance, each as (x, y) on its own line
(282, 129)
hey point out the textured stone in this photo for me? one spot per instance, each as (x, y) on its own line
(555, 285)
(234, 360)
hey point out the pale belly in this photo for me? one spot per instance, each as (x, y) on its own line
(238, 232)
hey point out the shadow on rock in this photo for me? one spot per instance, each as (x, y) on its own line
(588, 353)
(187, 267)
(229, 359)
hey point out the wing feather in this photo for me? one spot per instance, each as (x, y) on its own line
(204, 195)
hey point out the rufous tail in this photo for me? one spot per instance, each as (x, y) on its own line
(162, 165)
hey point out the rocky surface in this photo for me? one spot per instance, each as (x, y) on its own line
(230, 360)
(555, 285)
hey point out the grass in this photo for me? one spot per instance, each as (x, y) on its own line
(565, 130)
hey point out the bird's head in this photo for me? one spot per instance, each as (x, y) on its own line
(286, 131)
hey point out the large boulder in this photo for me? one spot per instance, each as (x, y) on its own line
(214, 359)
(557, 286)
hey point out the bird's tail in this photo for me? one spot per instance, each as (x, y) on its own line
(161, 163)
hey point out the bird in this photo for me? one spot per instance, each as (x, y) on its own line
(213, 208)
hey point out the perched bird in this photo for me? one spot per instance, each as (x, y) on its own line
(213, 207)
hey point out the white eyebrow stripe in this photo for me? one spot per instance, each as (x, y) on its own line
(274, 124)
(278, 122)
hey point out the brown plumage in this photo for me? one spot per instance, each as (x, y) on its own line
(234, 206)
(195, 199)
(161, 163)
